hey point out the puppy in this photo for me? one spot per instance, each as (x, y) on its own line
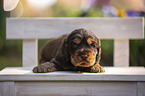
(78, 51)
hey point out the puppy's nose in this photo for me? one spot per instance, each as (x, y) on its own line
(84, 57)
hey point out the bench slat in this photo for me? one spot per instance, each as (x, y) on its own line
(30, 53)
(111, 74)
(141, 88)
(76, 88)
(9, 89)
(44, 28)
(121, 53)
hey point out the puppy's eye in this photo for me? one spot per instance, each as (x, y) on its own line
(74, 45)
(93, 45)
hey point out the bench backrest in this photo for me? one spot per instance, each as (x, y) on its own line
(32, 29)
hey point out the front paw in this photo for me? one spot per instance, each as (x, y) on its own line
(44, 68)
(97, 69)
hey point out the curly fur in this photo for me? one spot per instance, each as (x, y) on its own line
(78, 51)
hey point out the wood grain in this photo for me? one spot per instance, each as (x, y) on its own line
(1, 88)
(116, 81)
(121, 53)
(76, 89)
(30, 53)
(9, 89)
(111, 74)
(141, 88)
(44, 28)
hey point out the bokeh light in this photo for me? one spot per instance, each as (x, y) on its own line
(40, 4)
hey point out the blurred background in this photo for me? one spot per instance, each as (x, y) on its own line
(11, 50)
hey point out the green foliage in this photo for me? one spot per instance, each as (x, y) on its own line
(94, 12)
(61, 11)
(107, 52)
(137, 52)
(14, 61)
(10, 50)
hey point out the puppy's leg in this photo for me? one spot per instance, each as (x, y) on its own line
(45, 67)
(97, 69)
(94, 69)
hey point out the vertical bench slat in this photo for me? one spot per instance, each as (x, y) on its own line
(30, 53)
(9, 89)
(121, 53)
(141, 89)
(1, 88)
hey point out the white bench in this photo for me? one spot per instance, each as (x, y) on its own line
(120, 80)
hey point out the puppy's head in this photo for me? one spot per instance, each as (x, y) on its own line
(83, 47)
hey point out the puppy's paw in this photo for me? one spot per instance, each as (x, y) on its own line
(44, 68)
(40, 69)
(97, 69)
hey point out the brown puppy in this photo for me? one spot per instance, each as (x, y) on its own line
(78, 51)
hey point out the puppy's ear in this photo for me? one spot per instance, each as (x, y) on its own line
(98, 57)
(65, 48)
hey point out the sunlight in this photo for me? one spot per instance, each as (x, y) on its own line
(39, 4)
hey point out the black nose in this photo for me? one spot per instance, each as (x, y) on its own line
(84, 57)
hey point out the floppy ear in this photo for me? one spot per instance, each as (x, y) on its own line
(65, 48)
(62, 53)
(98, 57)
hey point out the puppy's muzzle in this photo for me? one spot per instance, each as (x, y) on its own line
(84, 57)
(83, 54)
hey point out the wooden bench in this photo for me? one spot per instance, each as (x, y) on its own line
(120, 80)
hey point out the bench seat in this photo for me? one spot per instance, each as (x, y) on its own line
(116, 81)
(111, 74)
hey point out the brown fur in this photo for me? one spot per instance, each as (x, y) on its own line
(50, 49)
(79, 51)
